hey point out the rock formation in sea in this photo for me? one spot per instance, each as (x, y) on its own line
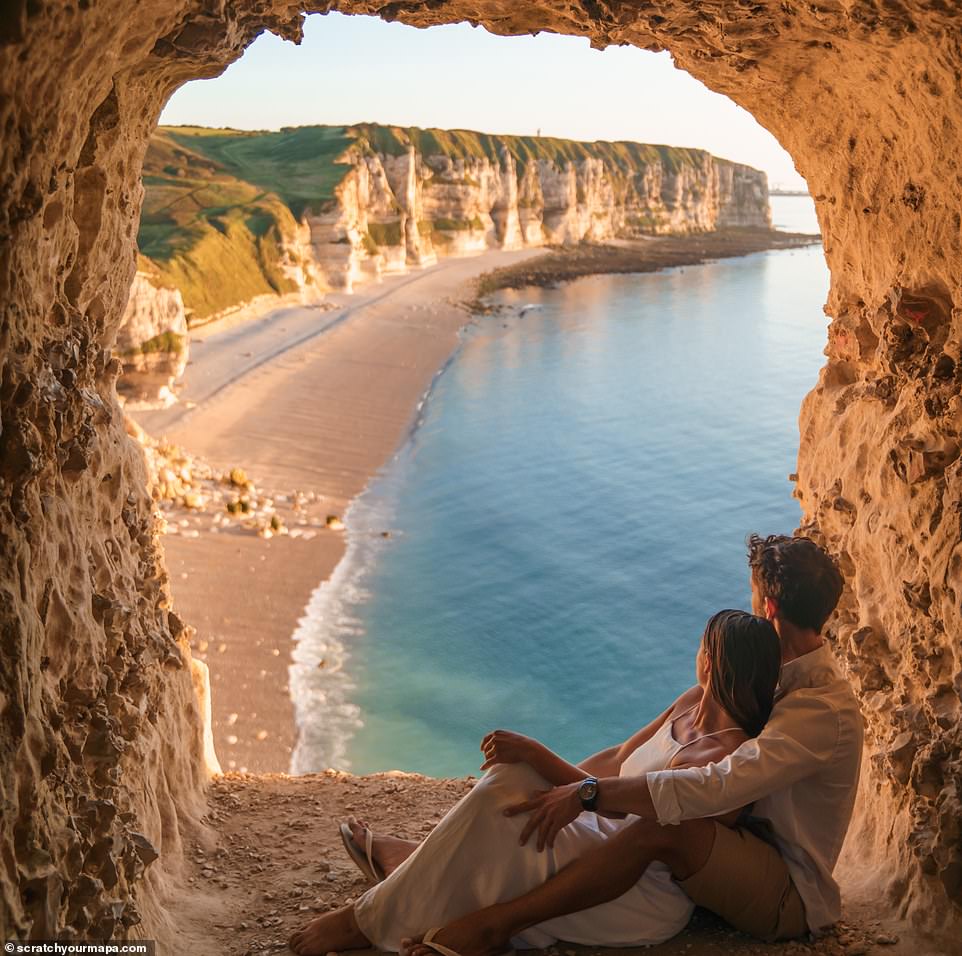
(101, 736)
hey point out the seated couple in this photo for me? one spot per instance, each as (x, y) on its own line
(736, 798)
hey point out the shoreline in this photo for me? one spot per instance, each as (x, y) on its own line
(623, 257)
(316, 424)
(312, 424)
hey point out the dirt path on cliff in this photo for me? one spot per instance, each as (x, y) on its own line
(274, 860)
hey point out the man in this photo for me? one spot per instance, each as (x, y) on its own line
(800, 773)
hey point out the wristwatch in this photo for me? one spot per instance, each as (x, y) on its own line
(588, 793)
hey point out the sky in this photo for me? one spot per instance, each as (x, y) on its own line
(361, 69)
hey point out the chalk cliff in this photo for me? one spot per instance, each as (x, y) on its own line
(411, 195)
(348, 204)
(152, 342)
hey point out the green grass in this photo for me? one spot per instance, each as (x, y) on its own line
(457, 225)
(212, 235)
(226, 267)
(164, 342)
(302, 165)
(469, 144)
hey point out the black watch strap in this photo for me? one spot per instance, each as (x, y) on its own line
(588, 793)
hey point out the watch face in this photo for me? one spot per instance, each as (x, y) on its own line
(588, 790)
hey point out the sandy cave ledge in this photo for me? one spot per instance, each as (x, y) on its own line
(100, 740)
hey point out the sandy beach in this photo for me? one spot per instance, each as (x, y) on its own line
(311, 403)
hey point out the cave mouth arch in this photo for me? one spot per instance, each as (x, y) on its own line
(254, 727)
(104, 731)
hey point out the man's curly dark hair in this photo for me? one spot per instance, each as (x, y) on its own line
(802, 579)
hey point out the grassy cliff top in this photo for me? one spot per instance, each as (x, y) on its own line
(299, 164)
(465, 143)
(303, 165)
(220, 203)
(206, 231)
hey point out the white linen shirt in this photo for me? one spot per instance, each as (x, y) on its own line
(801, 772)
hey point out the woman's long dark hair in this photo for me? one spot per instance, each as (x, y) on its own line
(744, 658)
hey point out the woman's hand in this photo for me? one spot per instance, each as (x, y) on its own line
(550, 812)
(505, 746)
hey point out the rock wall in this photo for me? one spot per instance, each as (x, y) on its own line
(152, 341)
(406, 207)
(741, 199)
(99, 728)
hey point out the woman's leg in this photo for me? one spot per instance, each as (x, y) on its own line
(602, 874)
(437, 882)
(339, 930)
(599, 898)
(473, 858)
(389, 852)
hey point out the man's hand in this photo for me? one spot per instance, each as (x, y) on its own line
(551, 811)
(505, 746)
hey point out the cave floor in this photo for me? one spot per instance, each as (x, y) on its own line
(272, 859)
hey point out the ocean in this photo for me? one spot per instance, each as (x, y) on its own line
(572, 506)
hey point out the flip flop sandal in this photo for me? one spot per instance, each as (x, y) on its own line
(442, 950)
(365, 861)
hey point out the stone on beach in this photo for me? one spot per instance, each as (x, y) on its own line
(238, 478)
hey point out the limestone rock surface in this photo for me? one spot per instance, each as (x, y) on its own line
(152, 341)
(405, 208)
(100, 739)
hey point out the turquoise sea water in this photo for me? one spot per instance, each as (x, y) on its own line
(569, 511)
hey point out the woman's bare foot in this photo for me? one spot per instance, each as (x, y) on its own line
(388, 852)
(479, 934)
(330, 932)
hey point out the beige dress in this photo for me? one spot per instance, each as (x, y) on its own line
(472, 859)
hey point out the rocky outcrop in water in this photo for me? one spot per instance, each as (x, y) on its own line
(100, 729)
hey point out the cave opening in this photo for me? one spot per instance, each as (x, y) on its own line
(224, 206)
(95, 729)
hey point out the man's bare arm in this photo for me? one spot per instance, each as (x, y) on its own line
(626, 795)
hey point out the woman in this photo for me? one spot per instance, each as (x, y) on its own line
(475, 858)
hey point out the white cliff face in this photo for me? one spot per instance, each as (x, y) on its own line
(392, 212)
(742, 197)
(152, 342)
(424, 194)
(299, 266)
(345, 238)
